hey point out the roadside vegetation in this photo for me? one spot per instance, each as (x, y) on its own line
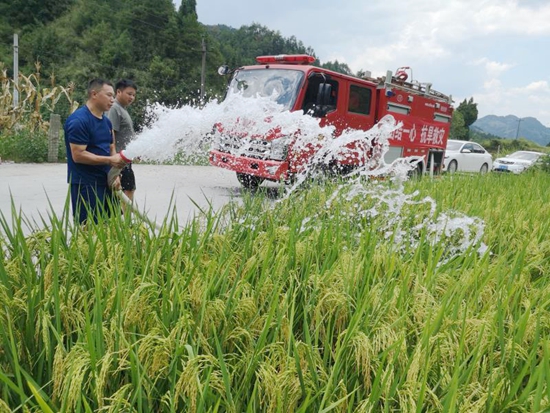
(296, 306)
(25, 119)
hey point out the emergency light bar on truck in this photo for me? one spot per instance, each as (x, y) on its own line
(303, 59)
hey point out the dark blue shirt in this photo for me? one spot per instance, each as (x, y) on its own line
(83, 128)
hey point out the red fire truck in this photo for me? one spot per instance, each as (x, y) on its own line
(343, 101)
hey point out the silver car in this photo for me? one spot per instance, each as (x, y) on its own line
(516, 162)
(466, 156)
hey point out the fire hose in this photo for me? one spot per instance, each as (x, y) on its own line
(113, 174)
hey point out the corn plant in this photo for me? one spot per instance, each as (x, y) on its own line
(35, 100)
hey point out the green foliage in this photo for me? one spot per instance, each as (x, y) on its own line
(241, 46)
(24, 14)
(188, 8)
(147, 35)
(463, 116)
(27, 146)
(545, 163)
(336, 66)
(469, 111)
(479, 135)
(458, 129)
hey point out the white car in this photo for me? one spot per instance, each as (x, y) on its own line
(466, 156)
(517, 162)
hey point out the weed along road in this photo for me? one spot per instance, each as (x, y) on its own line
(38, 189)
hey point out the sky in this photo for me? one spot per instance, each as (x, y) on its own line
(494, 51)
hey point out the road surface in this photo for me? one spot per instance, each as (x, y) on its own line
(40, 189)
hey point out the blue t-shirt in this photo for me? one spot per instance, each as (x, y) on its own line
(83, 128)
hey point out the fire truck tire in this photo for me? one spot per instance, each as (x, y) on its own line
(249, 181)
(417, 172)
(453, 166)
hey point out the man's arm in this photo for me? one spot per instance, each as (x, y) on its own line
(113, 145)
(81, 155)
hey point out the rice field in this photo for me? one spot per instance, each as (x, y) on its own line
(306, 304)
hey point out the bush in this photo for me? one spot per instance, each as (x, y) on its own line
(545, 163)
(26, 146)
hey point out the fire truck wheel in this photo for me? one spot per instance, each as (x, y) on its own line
(453, 166)
(416, 173)
(249, 181)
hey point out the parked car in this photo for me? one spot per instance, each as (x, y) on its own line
(517, 162)
(466, 156)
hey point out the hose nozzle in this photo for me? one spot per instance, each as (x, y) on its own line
(114, 172)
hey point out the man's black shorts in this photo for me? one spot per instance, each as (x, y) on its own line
(127, 178)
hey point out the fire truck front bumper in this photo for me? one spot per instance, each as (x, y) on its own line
(267, 169)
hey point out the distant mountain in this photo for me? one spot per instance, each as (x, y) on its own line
(507, 127)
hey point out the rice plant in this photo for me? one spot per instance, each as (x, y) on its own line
(312, 303)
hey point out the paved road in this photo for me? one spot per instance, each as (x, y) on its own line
(33, 187)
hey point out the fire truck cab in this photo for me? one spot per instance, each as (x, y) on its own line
(343, 101)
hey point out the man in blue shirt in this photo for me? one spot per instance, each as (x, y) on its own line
(91, 153)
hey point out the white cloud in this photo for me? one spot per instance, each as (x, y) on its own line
(532, 99)
(511, 17)
(493, 69)
(540, 86)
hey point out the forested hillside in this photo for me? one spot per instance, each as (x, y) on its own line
(241, 46)
(150, 41)
(514, 128)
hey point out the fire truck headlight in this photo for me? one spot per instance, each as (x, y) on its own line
(279, 149)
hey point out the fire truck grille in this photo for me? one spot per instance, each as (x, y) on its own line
(251, 148)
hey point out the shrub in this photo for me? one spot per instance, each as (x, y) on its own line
(26, 146)
(24, 127)
(545, 163)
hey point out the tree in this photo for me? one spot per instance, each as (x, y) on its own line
(469, 112)
(459, 130)
(242, 46)
(188, 8)
(23, 14)
(336, 66)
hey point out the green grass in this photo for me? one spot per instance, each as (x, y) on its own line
(315, 303)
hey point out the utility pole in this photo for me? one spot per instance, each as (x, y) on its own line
(203, 70)
(15, 70)
(517, 131)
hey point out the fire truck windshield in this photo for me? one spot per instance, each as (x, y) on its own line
(279, 84)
